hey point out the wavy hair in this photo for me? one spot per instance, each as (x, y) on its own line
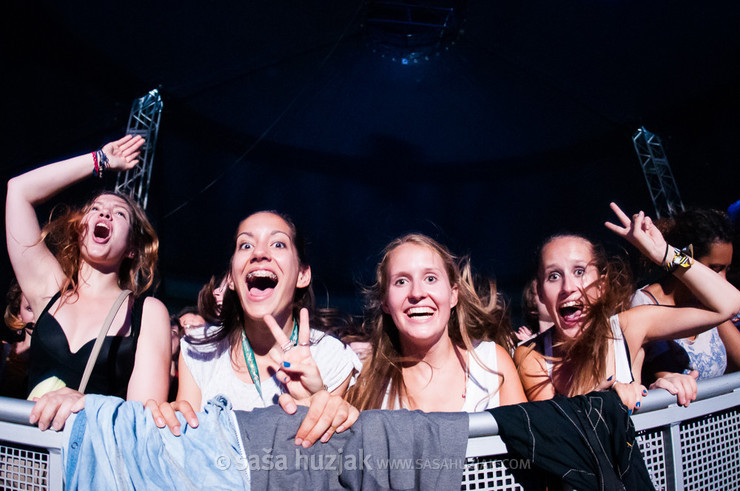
(586, 354)
(473, 318)
(65, 231)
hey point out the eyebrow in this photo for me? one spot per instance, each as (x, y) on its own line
(274, 232)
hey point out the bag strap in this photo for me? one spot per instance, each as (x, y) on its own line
(101, 337)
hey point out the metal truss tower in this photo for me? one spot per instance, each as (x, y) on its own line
(144, 121)
(658, 174)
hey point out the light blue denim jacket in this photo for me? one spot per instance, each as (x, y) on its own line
(113, 445)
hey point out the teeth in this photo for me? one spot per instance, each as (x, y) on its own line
(572, 303)
(262, 274)
(420, 311)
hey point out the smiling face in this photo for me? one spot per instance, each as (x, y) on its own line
(566, 271)
(418, 296)
(265, 269)
(106, 230)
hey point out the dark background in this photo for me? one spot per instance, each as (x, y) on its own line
(520, 128)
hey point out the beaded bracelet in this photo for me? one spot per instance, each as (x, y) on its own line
(96, 169)
(682, 258)
(100, 159)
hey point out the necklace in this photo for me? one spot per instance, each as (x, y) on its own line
(251, 362)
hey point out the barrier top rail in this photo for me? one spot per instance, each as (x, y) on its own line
(481, 424)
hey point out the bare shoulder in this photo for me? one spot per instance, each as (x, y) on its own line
(155, 312)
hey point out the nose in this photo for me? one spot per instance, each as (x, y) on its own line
(260, 253)
(417, 291)
(570, 284)
(104, 212)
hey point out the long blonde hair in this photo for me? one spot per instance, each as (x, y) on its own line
(471, 319)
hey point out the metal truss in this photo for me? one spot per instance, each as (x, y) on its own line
(658, 174)
(144, 121)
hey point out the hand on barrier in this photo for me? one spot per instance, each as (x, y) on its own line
(327, 414)
(683, 386)
(164, 414)
(631, 394)
(53, 409)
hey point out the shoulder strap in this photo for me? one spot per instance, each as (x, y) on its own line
(655, 300)
(101, 336)
(51, 302)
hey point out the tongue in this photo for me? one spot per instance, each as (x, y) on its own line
(259, 292)
(571, 315)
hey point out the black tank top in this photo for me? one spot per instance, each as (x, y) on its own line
(50, 355)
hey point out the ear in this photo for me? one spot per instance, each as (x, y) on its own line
(130, 254)
(453, 296)
(304, 277)
(385, 308)
(230, 282)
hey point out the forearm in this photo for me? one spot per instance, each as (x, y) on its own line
(711, 289)
(38, 185)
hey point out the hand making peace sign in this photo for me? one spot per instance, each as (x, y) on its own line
(298, 371)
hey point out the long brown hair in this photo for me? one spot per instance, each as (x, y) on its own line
(471, 319)
(64, 232)
(586, 354)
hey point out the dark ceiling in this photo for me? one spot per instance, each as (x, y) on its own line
(520, 128)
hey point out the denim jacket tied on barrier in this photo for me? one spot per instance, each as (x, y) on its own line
(114, 444)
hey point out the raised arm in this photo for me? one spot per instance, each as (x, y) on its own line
(37, 271)
(646, 323)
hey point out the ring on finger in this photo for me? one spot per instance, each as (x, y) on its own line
(304, 344)
(287, 346)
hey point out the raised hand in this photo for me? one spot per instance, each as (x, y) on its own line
(640, 232)
(298, 371)
(123, 154)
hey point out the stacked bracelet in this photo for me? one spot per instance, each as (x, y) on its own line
(682, 258)
(100, 159)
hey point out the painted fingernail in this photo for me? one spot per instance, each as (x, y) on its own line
(629, 413)
(610, 377)
(637, 405)
(286, 379)
(644, 392)
(286, 364)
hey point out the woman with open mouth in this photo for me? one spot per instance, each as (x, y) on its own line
(264, 352)
(73, 273)
(596, 334)
(432, 342)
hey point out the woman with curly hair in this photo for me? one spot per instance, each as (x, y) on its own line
(72, 273)
(436, 345)
(596, 333)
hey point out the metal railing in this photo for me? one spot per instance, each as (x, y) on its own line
(684, 448)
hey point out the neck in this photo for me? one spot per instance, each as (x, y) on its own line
(95, 281)
(260, 338)
(435, 355)
(671, 292)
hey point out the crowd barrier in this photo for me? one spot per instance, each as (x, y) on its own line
(684, 448)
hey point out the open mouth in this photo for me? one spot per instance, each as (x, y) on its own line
(571, 311)
(420, 312)
(261, 280)
(101, 231)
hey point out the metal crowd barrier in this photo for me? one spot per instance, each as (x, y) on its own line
(684, 448)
